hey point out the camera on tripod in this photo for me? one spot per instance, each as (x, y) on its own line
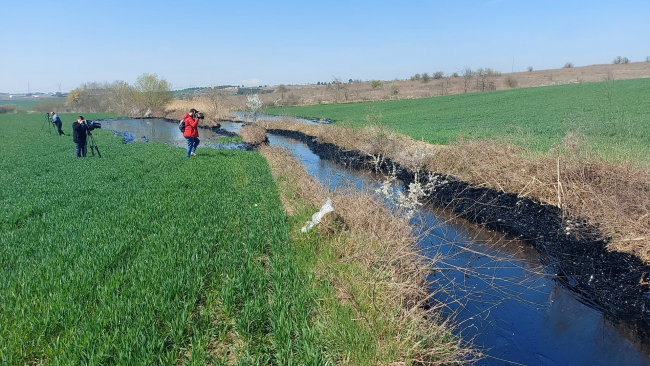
(90, 125)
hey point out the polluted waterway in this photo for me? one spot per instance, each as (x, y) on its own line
(500, 296)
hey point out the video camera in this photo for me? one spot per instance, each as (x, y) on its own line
(90, 125)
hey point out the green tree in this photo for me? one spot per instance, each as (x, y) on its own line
(151, 93)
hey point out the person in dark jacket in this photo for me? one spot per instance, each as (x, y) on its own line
(79, 132)
(191, 132)
(57, 122)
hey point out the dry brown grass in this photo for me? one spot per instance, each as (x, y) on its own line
(374, 139)
(614, 197)
(253, 134)
(375, 268)
(214, 111)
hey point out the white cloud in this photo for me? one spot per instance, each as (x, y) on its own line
(252, 81)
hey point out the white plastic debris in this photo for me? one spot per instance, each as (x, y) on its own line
(315, 218)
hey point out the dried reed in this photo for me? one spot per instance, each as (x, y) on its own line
(214, 111)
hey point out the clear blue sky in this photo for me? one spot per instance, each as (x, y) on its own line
(204, 43)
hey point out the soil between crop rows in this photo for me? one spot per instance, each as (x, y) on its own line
(612, 282)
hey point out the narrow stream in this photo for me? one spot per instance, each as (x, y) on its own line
(495, 288)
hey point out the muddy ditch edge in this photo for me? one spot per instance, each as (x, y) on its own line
(577, 255)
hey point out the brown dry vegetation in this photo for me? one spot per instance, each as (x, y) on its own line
(214, 110)
(253, 134)
(614, 197)
(374, 267)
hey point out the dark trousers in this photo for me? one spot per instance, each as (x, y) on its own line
(80, 149)
(58, 126)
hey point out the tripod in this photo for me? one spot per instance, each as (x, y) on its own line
(93, 144)
(48, 121)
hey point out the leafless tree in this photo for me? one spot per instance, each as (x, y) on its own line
(467, 74)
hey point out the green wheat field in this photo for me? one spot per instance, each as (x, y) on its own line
(612, 117)
(144, 256)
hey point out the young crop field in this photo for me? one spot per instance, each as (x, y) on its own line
(611, 117)
(144, 256)
(30, 103)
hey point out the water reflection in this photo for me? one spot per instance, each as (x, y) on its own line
(157, 130)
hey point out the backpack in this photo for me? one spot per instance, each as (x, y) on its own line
(181, 126)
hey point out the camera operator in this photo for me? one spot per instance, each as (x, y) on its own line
(191, 132)
(57, 122)
(79, 129)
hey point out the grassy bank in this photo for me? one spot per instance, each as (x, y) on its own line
(611, 115)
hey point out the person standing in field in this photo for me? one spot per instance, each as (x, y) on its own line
(57, 122)
(191, 132)
(79, 137)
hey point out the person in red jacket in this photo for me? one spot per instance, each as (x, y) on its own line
(191, 132)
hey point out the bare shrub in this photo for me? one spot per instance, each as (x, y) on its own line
(89, 97)
(454, 75)
(621, 60)
(445, 86)
(647, 59)
(416, 77)
(10, 108)
(48, 105)
(253, 134)
(568, 65)
(510, 81)
(121, 97)
(530, 68)
(485, 79)
(425, 77)
(438, 75)
(339, 89)
(468, 74)
(281, 89)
